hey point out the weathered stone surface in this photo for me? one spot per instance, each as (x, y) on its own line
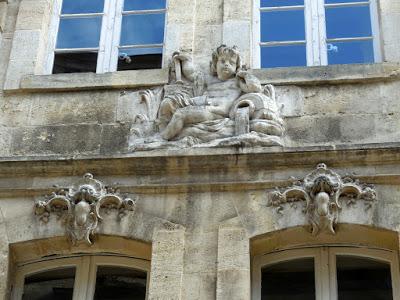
(167, 265)
(67, 140)
(90, 81)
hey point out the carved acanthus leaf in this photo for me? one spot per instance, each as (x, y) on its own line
(321, 190)
(80, 206)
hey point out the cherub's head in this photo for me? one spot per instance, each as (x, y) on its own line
(225, 62)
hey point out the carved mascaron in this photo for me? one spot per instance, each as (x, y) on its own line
(229, 107)
(321, 190)
(80, 207)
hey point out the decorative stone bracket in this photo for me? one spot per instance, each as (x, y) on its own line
(80, 205)
(321, 190)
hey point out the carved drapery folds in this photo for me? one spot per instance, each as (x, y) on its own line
(321, 191)
(225, 107)
(80, 205)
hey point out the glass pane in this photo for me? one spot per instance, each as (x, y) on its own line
(79, 33)
(362, 278)
(354, 52)
(82, 6)
(142, 29)
(75, 62)
(291, 280)
(142, 5)
(273, 3)
(283, 56)
(343, 1)
(282, 25)
(342, 22)
(116, 283)
(140, 58)
(50, 285)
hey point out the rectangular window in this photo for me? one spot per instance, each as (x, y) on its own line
(316, 32)
(104, 36)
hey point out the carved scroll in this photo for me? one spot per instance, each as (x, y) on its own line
(80, 207)
(320, 191)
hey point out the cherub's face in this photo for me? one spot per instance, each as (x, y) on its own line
(226, 66)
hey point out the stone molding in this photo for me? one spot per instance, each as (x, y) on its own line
(79, 206)
(321, 191)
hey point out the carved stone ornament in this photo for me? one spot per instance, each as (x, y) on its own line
(228, 107)
(80, 205)
(320, 191)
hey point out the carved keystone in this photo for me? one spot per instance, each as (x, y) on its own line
(321, 190)
(80, 206)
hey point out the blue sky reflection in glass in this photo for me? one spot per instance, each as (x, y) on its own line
(79, 33)
(345, 22)
(82, 6)
(142, 29)
(130, 5)
(274, 3)
(282, 25)
(351, 52)
(283, 56)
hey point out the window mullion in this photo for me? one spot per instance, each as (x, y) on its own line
(322, 46)
(55, 22)
(81, 279)
(333, 275)
(310, 31)
(116, 35)
(105, 37)
(373, 6)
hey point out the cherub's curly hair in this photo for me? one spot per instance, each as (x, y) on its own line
(223, 49)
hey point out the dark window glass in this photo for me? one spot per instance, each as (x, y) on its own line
(274, 3)
(82, 6)
(139, 58)
(50, 285)
(79, 33)
(116, 283)
(143, 5)
(283, 56)
(282, 25)
(142, 29)
(361, 278)
(291, 280)
(75, 62)
(345, 22)
(351, 52)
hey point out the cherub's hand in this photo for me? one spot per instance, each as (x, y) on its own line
(242, 74)
(182, 56)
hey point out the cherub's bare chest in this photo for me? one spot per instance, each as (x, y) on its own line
(228, 88)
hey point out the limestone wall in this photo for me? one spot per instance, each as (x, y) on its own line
(202, 214)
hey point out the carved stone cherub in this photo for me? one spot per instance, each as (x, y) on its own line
(225, 108)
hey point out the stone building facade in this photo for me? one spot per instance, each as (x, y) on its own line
(305, 166)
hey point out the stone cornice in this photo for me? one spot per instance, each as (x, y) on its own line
(200, 170)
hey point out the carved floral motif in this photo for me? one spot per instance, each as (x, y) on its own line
(320, 191)
(80, 207)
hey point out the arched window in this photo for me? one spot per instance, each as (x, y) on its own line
(83, 278)
(326, 273)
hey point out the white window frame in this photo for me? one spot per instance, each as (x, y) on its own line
(315, 30)
(107, 60)
(85, 274)
(325, 267)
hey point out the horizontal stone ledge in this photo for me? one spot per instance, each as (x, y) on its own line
(185, 187)
(168, 162)
(333, 74)
(92, 81)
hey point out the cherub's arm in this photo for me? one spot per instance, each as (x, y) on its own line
(191, 73)
(248, 83)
